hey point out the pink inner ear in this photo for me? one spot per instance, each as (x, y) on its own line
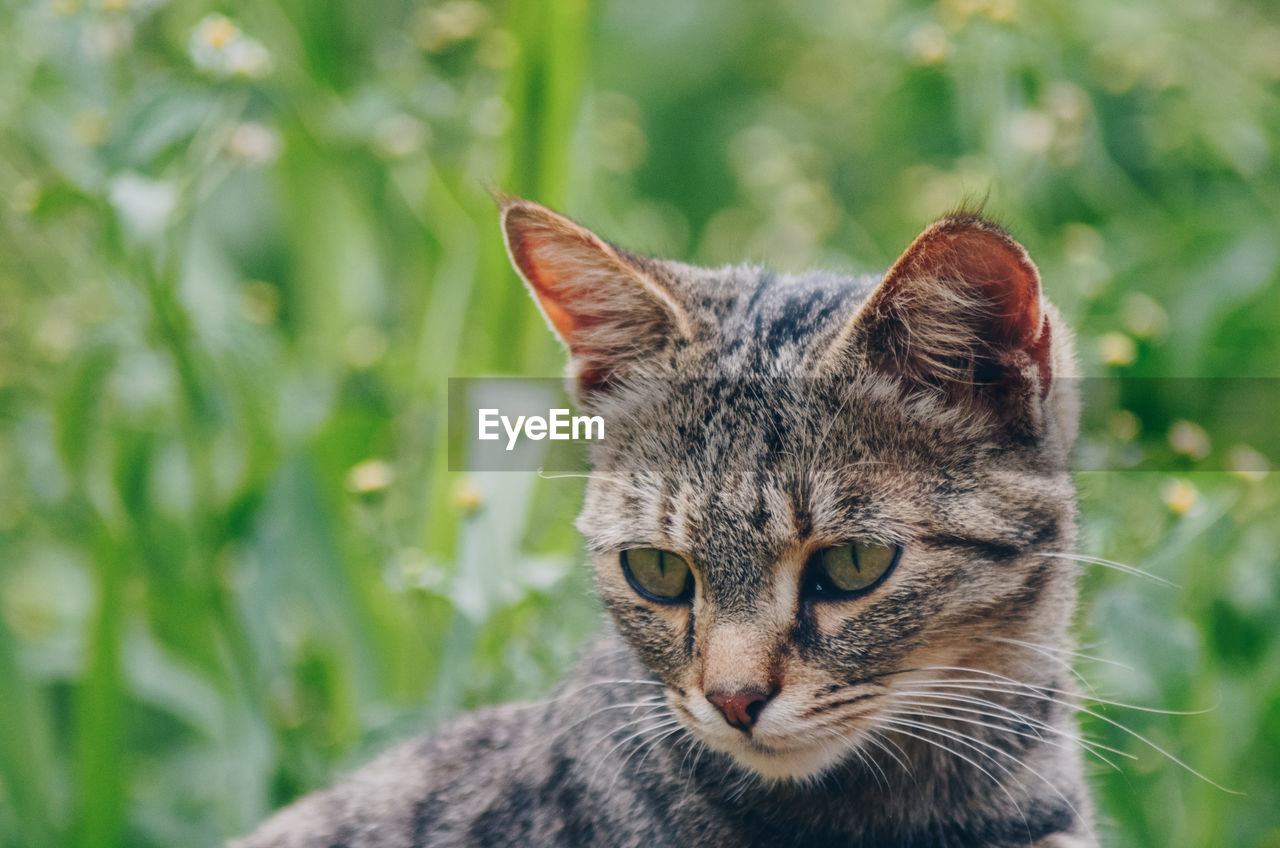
(968, 272)
(598, 299)
(972, 256)
(524, 251)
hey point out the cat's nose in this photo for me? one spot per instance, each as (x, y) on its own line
(741, 707)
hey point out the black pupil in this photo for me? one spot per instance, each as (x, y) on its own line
(665, 563)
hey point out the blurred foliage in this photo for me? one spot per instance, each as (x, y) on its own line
(244, 245)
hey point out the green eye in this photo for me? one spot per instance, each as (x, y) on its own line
(847, 569)
(658, 575)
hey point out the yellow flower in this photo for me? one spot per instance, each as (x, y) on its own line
(1117, 349)
(1247, 464)
(1189, 439)
(467, 496)
(370, 476)
(928, 45)
(1180, 496)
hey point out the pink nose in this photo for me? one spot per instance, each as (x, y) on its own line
(741, 708)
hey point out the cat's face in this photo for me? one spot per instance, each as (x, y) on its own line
(817, 492)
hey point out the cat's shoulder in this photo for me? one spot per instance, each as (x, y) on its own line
(497, 771)
(425, 791)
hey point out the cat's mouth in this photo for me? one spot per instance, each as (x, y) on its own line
(771, 753)
(770, 749)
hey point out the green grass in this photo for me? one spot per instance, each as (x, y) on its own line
(240, 258)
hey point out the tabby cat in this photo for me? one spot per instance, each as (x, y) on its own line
(831, 524)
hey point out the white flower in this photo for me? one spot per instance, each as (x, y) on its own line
(254, 143)
(221, 48)
(1032, 131)
(400, 135)
(144, 205)
(248, 58)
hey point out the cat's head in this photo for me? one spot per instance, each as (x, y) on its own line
(817, 490)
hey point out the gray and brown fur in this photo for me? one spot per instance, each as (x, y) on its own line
(753, 419)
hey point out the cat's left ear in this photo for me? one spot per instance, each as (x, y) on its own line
(960, 312)
(610, 308)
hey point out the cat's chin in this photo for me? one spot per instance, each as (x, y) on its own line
(800, 764)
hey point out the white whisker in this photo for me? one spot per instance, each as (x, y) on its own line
(972, 741)
(883, 742)
(994, 678)
(1013, 687)
(926, 712)
(896, 728)
(661, 724)
(596, 475)
(1115, 566)
(949, 698)
(1055, 651)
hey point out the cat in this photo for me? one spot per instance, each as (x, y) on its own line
(829, 528)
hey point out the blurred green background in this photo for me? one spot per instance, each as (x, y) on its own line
(243, 245)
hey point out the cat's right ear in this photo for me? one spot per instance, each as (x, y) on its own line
(610, 310)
